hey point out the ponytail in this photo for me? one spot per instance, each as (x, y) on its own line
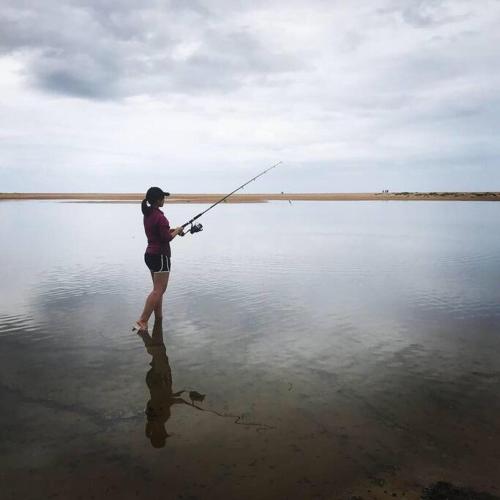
(144, 207)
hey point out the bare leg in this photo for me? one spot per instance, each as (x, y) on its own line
(158, 310)
(160, 282)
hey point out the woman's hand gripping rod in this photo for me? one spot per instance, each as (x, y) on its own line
(196, 228)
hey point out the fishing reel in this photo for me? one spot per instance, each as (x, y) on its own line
(195, 228)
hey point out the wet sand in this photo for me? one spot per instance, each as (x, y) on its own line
(350, 438)
(263, 197)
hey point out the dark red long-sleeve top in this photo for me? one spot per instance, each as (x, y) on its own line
(157, 230)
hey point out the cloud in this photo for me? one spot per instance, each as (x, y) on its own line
(116, 88)
(429, 13)
(119, 49)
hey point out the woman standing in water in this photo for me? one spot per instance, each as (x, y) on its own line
(157, 256)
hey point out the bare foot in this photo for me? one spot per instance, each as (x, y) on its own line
(140, 326)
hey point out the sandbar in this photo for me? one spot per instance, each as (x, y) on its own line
(262, 197)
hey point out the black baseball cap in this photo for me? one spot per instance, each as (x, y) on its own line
(154, 194)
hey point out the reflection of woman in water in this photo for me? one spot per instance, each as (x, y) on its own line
(159, 382)
(157, 256)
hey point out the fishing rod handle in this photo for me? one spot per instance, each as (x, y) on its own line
(191, 221)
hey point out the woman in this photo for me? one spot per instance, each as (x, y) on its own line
(157, 256)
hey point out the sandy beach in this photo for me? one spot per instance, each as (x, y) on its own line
(263, 197)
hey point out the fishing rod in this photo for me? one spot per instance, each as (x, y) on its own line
(196, 228)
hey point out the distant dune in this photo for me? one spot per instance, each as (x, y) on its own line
(259, 198)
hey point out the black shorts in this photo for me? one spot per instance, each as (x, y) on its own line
(157, 263)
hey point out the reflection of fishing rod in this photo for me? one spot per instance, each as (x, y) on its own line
(196, 228)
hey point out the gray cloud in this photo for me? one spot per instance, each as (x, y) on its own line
(422, 13)
(118, 49)
(351, 86)
(425, 13)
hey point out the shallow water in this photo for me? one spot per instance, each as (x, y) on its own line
(346, 348)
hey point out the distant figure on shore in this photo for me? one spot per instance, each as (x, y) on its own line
(159, 382)
(157, 256)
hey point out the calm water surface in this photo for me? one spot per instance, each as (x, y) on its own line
(344, 349)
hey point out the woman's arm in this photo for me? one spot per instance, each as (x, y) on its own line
(176, 231)
(167, 234)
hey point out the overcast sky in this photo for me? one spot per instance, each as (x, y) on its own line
(197, 96)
